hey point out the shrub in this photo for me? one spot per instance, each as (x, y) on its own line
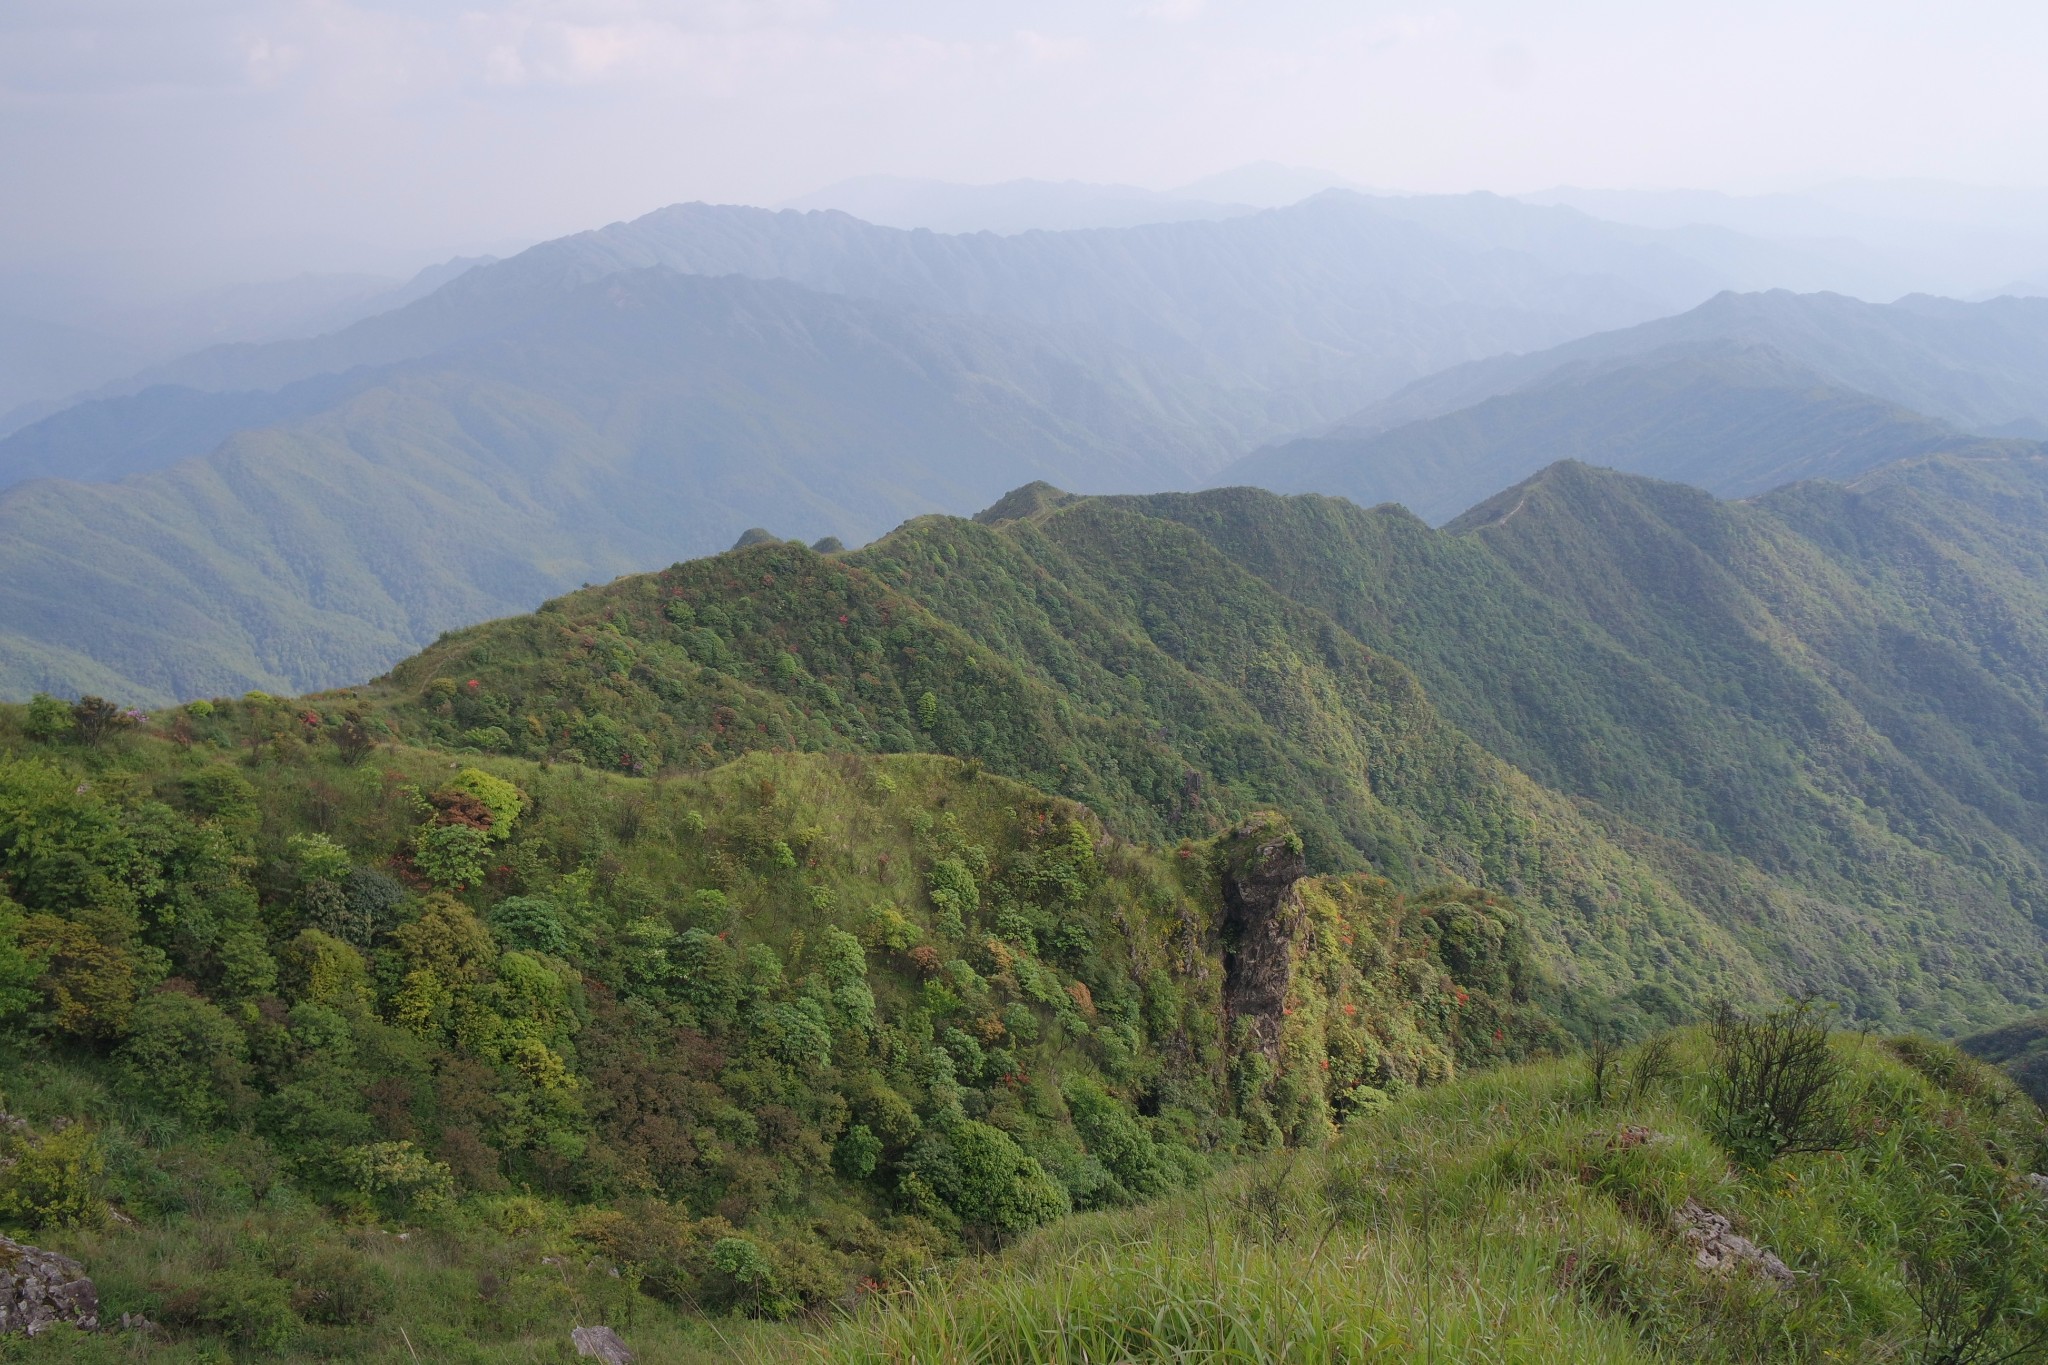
(503, 800)
(1652, 1067)
(1116, 1139)
(247, 1307)
(52, 1180)
(317, 858)
(751, 1276)
(1977, 1272)
(982, 1175)
(87, 985)
(338, 1288)
(95, 718)
(398, 1174)
(354, 738)
(1777, 1084)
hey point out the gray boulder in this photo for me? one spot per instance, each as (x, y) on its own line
(40, 1289)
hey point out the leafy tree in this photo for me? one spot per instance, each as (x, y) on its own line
(317, 857)
(95, 718)
(451, 856)
(1117, 1139)
(47, 718)
(533, 922)
(88, 986)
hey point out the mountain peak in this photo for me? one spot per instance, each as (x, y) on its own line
(1029, 501)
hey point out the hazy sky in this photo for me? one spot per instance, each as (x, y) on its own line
(188, 130)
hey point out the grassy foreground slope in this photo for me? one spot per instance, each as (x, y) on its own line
(1512, 1217)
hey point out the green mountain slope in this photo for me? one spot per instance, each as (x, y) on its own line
(1513, 1217)
(1747, 758)
(1814, 697)
(640, 417)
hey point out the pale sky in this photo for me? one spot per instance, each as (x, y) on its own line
(176, 132)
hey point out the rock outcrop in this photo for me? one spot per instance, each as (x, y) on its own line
(601, 1343)
(40, 1290)
(1260, 863)
(1717, 1247)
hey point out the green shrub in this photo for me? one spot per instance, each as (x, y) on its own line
(248, 1307)
(1118, 1140)
(1778, 1084)
(982, 1175)
(46, 718)
(533, 923)
(502, 799)
(52, 1180)
(336, 1287)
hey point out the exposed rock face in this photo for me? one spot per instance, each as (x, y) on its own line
(40, 1289)
(602, 1343)
(1717, 1247)
(1261, 920)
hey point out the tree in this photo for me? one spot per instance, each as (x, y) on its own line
(186, 1057)
(451, 856)
(88, 986)
(47, 718)
(983, 1176)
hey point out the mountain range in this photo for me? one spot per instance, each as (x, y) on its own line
(296, 513)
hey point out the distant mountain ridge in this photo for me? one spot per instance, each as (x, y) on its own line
(1322, 305)
(1738, 396)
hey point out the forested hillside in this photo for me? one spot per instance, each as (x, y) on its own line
(762, 1033)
